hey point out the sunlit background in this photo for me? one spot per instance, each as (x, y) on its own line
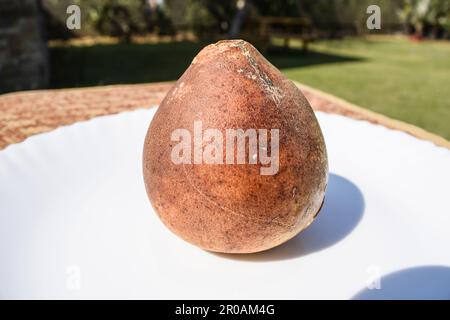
(401, 70)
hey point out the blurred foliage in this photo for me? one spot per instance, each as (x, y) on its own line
(427, 17)
(334, 16)
(118, 18)
(176, 10)
(212, 18)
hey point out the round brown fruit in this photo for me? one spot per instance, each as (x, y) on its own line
(230, 207)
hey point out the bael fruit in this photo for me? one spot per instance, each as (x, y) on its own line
(231, 206)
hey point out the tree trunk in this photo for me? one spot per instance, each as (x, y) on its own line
(238, 20)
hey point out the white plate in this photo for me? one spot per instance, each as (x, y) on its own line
(75, 222)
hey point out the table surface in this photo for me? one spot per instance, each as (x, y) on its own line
(27, 113)
(76, 223)
(400, 227)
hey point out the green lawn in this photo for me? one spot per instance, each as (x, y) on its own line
(403, 80)
(395, 77)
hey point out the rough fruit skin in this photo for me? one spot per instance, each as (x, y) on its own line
(232, 208)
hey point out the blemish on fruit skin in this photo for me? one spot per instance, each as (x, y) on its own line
(275, 93)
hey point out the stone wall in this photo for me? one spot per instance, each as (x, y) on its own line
(23, 53)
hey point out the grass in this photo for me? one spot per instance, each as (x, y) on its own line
(403, 80)
(393, 76)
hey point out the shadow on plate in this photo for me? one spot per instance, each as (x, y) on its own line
(340, 214)
(418, 283)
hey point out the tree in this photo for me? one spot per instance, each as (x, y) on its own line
(423, 16)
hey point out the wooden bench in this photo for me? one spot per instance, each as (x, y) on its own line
(286, 28)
